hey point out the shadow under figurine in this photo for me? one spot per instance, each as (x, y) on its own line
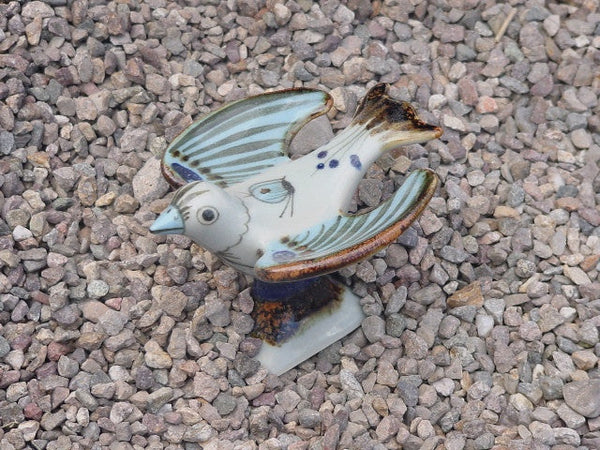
(284, 221)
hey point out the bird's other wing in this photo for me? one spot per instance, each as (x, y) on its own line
(243, 138)
(346, 239)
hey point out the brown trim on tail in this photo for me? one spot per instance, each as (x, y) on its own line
(378, 112)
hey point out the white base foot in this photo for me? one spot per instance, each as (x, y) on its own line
(315, 332)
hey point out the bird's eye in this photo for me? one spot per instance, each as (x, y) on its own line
(207, 215)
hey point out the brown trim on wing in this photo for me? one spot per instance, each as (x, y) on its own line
(299, 125)
(168, 175)
(298, 270)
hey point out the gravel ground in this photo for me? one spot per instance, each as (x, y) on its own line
(482, 327)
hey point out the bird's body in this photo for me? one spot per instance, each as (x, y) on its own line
(281, 219)
(303, 192)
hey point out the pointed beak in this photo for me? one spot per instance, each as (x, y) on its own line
(169, 222)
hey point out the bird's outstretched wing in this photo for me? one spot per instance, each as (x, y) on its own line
(345, 239)
(242, 138)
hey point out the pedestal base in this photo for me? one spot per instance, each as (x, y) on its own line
(299, 319)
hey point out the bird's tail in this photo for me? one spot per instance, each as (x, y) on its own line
(393, 122)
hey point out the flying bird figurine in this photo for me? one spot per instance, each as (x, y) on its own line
(284, 221)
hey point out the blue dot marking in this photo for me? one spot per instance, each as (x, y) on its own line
(333, 163)
(322, 154)
(283, 256)
(355, 161)
(320, 166)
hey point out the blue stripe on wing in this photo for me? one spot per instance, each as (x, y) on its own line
(242, 138)
(186, 174)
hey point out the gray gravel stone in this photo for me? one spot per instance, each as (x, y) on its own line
(205, 387)
(171, 300)
(485, 441)
(37, 9)
(550, 318)
(350, 384)
(427, 295)
(387, 428)
(582, 396)
(50, 421)
(570, 417)
(552, 387)
(156, 357)
(148, 184)
(159, 398)
(414, 345)
(408, 392)
(198, 433)
(288, 399)
(112, 322)
(374, 328)
(309, 418)
(97, 289)
(4, 347)
(225, 404)
(7, 143)
(567, 436)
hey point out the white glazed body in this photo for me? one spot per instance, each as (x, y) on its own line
(319, 194)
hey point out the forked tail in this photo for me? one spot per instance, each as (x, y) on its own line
(395, 123)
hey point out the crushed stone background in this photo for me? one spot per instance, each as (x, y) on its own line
(482, 327)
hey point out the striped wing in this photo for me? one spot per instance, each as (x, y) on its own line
(242, 138)
(346, 239)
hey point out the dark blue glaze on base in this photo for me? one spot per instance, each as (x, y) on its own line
(280, 309)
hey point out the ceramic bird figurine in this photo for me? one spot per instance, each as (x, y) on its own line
(285, 221)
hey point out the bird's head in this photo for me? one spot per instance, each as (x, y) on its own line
(205, 213)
